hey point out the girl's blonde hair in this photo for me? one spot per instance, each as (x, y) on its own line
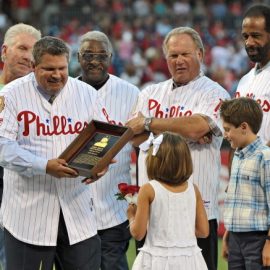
(172, 164)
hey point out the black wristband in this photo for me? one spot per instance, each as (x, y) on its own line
(267, 237)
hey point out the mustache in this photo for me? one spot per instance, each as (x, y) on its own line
(53, 80)
(252, 48)
(94, 66)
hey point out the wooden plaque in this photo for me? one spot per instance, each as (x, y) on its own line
(95, 147)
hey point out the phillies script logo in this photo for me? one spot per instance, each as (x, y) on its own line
(264, 103)
(108, 118)
(173, 111)
(59, 125)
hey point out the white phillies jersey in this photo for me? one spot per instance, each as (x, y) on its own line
(256, 85)
(119, 98)
(200, 96)
(31, 204)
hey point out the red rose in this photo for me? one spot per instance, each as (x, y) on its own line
(133, 189)
(125, 189)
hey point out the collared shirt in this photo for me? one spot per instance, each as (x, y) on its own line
(257, 69)
(247, 203)
(119, 97)
(176, 85)
(32, 132)
(215, 130)
(256, 85)
(48, 97)
(202, 96)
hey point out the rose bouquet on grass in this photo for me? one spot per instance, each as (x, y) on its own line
(128, 193)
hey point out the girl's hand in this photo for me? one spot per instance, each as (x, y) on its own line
(224, 248)
(131, 211)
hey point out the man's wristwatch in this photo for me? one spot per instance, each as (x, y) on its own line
(147, 122)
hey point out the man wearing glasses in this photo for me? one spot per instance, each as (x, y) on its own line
(119, 97)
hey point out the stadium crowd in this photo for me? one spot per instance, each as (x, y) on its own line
(137, 28)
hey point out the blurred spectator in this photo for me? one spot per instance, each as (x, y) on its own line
(126, 45)
(219, 9)
(131, 74)
(160, 8)
(141, 8)
(21, 10)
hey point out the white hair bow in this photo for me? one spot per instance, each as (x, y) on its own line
(152, 141)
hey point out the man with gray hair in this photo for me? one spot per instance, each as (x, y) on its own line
(17, 51)
(119, 97)
(187, 104)
(17, 57)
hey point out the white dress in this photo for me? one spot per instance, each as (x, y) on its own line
(170, 242)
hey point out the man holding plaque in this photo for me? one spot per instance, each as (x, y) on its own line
(119, 97)
(47, 210)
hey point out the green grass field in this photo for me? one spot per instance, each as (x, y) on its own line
(222, 265)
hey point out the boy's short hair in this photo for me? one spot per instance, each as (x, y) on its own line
(239, 110)
(172, 164)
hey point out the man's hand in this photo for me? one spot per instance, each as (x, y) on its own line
(88, 181)
(58, 168)
(206, 139)
(137, 123)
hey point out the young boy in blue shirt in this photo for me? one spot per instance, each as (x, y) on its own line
(246, 242)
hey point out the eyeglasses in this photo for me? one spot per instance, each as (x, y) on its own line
(97, 56)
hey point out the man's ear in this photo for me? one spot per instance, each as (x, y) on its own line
(3, 52)
(200, 55)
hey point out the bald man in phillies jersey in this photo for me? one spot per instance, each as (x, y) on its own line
(256, 83)
(119, 98)
(187, 104)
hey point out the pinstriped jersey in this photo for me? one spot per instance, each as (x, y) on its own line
(31, 202)
(256, 85)
(119, 98)
(199, 96)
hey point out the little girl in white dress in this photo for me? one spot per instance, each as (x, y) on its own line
(169, 208)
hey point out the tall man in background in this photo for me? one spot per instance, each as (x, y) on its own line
(256, 83)
(119, 97)
(187, 104)
(17, 57)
